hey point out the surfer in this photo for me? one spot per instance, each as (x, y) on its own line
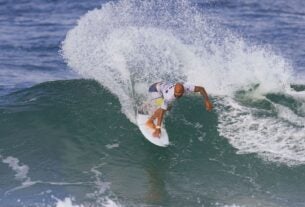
(164, 93)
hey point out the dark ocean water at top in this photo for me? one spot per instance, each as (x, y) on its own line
(279, 24)
(31, 34)
(32, 31)
(67, 141)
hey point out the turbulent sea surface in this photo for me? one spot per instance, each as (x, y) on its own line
(72, 74)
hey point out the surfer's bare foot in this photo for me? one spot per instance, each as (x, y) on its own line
(150, 124)
(157, 133)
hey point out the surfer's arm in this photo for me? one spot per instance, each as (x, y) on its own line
(201, 90)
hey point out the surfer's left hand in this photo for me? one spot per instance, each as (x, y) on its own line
(208, 105)
(157, 133)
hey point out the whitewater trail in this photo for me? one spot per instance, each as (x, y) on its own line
(128, 45)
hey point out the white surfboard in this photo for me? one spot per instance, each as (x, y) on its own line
(161, 141)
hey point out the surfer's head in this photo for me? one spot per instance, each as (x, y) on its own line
(179, 90)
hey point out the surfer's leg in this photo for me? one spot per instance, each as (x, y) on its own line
(156, 101)
(156, 114)
(150, 122)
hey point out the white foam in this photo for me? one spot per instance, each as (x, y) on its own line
(111, 203)
(68, 202)
(275, 138)
(299, 78)
(100, 194)
(21, 174)
(287, 114)
(111, 146)
(127, 45)
(20, 170)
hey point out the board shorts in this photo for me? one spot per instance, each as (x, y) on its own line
(155, 97)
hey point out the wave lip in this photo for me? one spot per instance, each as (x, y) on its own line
(127, 45)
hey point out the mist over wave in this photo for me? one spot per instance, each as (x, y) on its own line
(128, 45)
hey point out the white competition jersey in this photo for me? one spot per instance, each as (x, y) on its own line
(167, 90)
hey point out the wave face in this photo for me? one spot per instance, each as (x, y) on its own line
(74, 147)
(74, 142)
(127, 45)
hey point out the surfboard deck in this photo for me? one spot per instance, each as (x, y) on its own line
(163, 141)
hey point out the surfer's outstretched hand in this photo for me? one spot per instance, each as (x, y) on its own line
(208, 105)
(157, 133)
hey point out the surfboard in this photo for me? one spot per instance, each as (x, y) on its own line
(161, 141)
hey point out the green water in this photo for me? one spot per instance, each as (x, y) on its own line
(77, 143)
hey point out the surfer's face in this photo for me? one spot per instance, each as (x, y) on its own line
(178, 94)
(179, 90)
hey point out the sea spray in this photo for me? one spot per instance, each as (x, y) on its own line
(128, 45)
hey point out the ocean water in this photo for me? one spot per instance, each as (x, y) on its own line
(72, 74)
